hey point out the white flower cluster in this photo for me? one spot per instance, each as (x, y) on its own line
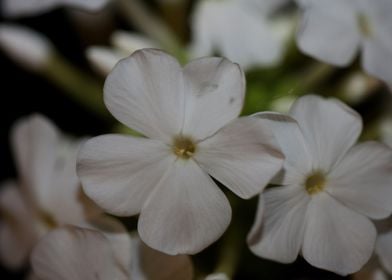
(319, 190)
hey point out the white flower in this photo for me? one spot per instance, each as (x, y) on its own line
(25, 46)
(48, 193)
(189, 116)
(82, 254)
(330, 189)
(239, 30)
(334, 30)
(16, 8)
(103, 59)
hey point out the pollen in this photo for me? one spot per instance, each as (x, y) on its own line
(315, 183)
(184, 147)
(364, 25)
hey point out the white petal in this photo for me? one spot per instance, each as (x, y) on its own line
(377, 46)
(362, 180)
(298, 160)
(215, 90)
(371, 271)
(243, 156)
(217, 276)
(25, 46)
(280, 235)
(118, 237)
(16, 8)
(150, 264)
(329, 127)
(384, 250)
(103, 59)
(377, 58)
(35, 143)
(75, 253)
(129, 42)
(186, 212)
(336, 238)
(328, 31)
(119, 172)
(146, 92)
(237, 32)
(17, 233)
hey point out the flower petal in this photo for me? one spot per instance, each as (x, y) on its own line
(185, 213)
(118, 237)
(328, 31)
(153, 265)
(384, 250)
(215, 95)
(249, 40)
(146, 92)
(75, 253)
(377, 58)
(280, 235)
(16, 8)
(362, 180)
(329, 127)
(336, 238)
(35, 141)
(17, 232)
(298, 160)
(119, 172)
(243, 155)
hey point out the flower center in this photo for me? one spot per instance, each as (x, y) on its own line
(184, 147)
(315, 183)
(364, 25)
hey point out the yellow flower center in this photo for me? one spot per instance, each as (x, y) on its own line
(315, 183)
(364, 25)
(184, 147)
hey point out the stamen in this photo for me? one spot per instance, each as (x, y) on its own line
(315, 183)
(184, 147)
(364, 25)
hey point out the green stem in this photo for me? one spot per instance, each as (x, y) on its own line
(315, 75)
(136, 12)
(79, 86)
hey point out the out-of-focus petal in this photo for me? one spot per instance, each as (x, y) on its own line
(384, 250)
(243, 155)
(17, 232)
(150, 264)
(17, 8)
(75, 253)
(328, 31)
(185, 213)
(119, 172)
(103, 59)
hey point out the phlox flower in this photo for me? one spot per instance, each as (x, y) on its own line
(83, 254)
(329, 189)
(334, 31)
(47, 194)
(16, 8)
(189, 116)
(242, 30)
